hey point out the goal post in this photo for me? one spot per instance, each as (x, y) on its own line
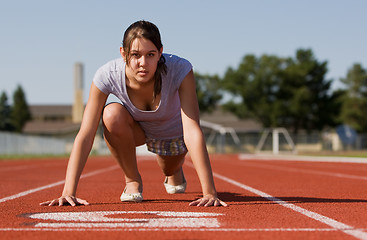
(274, 133)
(221, 138)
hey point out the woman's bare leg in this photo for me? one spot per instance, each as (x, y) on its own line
(122, 134)
(172, 168)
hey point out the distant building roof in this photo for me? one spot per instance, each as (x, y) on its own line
(51, 120)
(228, 119)
(50, 128)
(56, 119)
(64, 110)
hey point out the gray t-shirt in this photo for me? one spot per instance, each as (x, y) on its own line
(163, 123)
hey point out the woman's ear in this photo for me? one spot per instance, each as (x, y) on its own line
(122, 52)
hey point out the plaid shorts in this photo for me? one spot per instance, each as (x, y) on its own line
(166, 147)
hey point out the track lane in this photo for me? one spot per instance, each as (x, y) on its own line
(249, 216)
(335, 197)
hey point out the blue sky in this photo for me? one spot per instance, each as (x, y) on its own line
(40, 40)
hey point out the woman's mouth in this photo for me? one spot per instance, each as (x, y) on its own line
(142, 73)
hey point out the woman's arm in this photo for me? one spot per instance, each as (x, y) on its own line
(81, 148)
(195, 142)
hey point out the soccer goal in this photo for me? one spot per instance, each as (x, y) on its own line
(219, 133)
(274, 134)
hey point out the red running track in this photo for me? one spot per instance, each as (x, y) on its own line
(268, 199)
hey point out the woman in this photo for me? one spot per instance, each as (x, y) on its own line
(159, 107)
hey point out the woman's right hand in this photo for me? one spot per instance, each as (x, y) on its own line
(65, 200)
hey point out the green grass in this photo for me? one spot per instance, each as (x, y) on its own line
(359, 154)
(14, 157)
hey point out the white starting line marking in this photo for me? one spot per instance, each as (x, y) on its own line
(108, 219)
(173, 229)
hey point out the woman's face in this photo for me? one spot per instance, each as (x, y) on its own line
(144, 57)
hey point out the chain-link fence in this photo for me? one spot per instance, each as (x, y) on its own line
(303, 142)
(18, 144)
(217, 142)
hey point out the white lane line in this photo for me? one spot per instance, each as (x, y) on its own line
(139, 223)
(350, 230)
(158, 229)
(15, 168)
(317, 172)
(22, 194)
(302, 158)
(27, 167)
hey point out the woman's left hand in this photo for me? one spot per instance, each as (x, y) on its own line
(208, 201)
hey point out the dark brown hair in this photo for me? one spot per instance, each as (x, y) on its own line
(147, 30)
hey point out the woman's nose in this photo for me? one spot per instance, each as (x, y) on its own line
(142, 61)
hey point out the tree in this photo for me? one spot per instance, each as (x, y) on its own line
(5, 111)
(304, 91)
(281, 92)
(337, 101)
(256, 84)
(207, 90)
(20, 113)
(354, 106)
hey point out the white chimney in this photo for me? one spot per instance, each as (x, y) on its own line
(78, 105)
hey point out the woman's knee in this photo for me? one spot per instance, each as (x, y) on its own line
(117, 121)
(115, 117)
